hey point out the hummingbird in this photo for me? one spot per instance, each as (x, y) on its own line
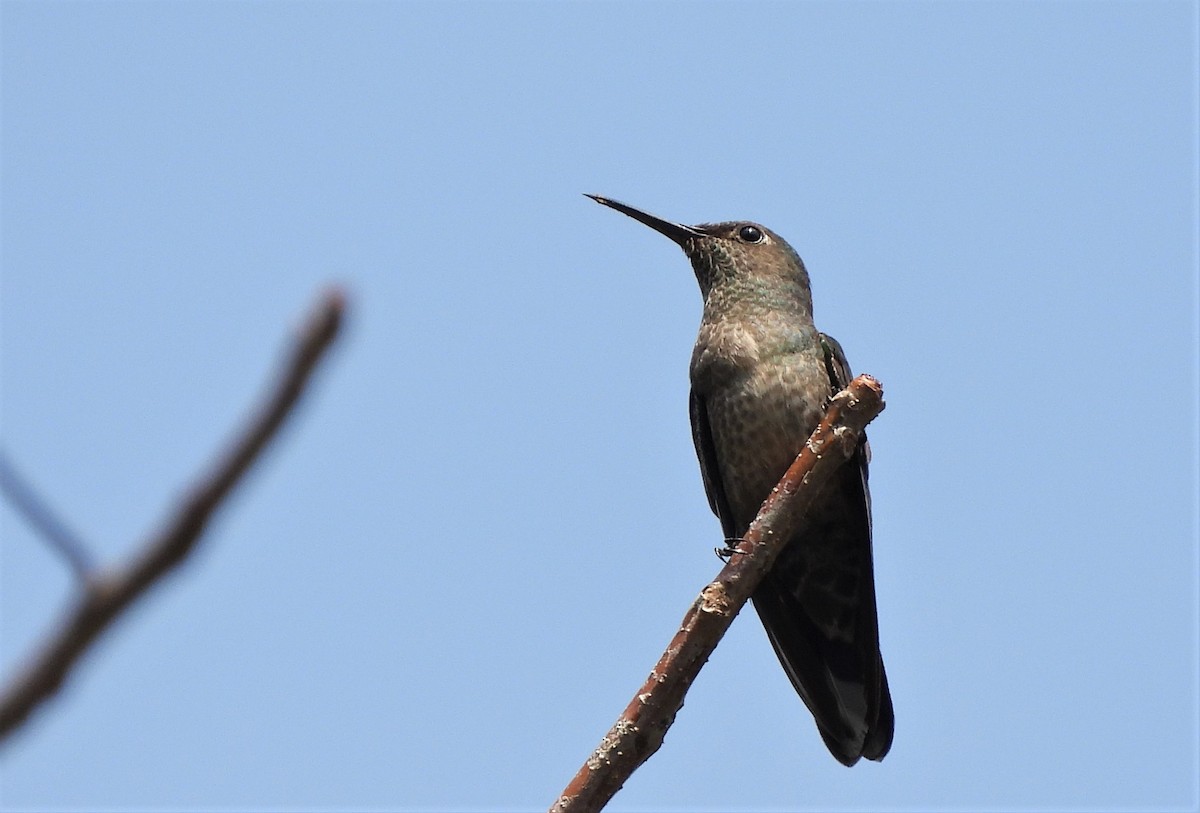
(761, 377)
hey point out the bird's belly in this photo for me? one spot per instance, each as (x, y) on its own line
(759, 423)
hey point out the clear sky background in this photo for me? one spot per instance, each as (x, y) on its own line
(445, 582)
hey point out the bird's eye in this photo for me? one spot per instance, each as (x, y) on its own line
(750, 234)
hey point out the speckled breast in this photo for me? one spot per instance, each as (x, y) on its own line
(759, 420)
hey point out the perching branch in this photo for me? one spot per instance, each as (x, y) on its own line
(640, 730)
(105, 594)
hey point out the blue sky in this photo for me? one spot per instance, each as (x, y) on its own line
(465, 554)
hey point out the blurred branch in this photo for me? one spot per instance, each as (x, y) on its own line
(640, 730)
(105, 594)
(43, 519)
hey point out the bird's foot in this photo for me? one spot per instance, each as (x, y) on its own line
(726, 553)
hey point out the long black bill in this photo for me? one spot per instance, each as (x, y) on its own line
(676, 231)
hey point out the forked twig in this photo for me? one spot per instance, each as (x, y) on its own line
(105, 594)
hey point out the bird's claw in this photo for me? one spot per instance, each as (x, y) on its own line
(726, 553)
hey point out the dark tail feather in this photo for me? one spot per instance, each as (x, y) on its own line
(842, 683)
(879, 740)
